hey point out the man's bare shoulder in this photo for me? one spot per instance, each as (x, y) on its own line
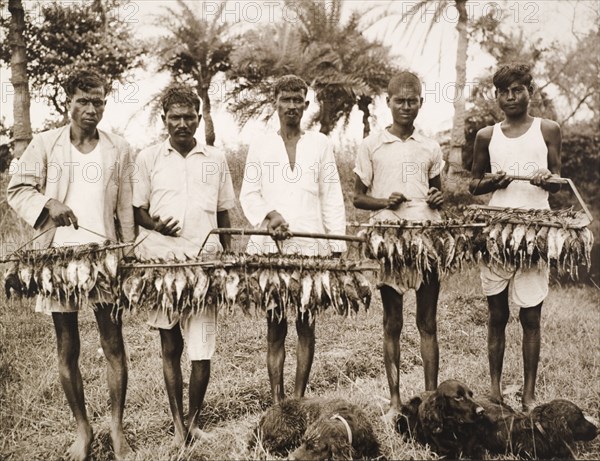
(485, 134)
(549, 127)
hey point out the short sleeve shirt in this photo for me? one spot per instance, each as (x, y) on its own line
(190, 189)
(386, 164)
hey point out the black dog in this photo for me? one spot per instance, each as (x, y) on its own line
(317, 429)
(446, 419)
(549, 431)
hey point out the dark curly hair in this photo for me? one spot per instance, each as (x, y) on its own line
(85, 80)
(510, 73)
(290, 83)
(178, 93)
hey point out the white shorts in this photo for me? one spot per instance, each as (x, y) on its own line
(199, 330)
(527, 287)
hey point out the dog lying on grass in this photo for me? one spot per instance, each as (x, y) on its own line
(549, 431)
(447, 424)
(446, 419)
(317, 429)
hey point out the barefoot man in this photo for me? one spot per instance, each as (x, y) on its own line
(291, 182)
(520, 145)
(182, 191)
(71, 180)
(398, 177)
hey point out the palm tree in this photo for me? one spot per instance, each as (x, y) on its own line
(19, 78)
(195, 50)
(343, 67)
(458, 120)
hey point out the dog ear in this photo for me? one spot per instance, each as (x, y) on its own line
(440, 403)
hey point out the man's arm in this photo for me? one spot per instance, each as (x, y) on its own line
(331, 197)
(223, 222)
(481, 165)
(435, 198)
(168, 226)
(125, 195)
(255, 207)
(364, 202)
(553, 138)
(24, 190)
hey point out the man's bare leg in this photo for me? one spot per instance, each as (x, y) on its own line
(68, 346)
(276, 333)
(498, 315)
(305, 354)
(427, 298)
(172, 348)
(392, 327)
(530, 321)
(199, 378)
(111, 339)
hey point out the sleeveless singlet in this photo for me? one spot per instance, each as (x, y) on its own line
(521, 156)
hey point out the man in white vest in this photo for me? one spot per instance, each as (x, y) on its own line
(520, 145)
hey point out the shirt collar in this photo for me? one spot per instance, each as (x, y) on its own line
(387, 137)
(198, 149)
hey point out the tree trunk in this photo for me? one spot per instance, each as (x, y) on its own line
(209, 127)
(19, 78)
(363, 105)
(325, 118)
(458, 122)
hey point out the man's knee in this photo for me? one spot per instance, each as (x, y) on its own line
(171, 345)
(68, 357)
(392, 326)
(530, 318)
(498, 317)
(427, 326)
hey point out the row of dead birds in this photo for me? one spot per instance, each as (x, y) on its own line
(413, 252)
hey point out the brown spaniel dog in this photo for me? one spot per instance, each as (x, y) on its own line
(446, 419)
(549, 431)
(317, 429)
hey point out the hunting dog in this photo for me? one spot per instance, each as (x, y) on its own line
(317, 429)
(549, 431)
(446, 419)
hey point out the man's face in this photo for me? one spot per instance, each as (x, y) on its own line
(87, 108)
(182, 121)
(290, 107)
(513, 100)
(404, 105)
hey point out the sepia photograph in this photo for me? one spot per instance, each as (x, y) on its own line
(299, 229)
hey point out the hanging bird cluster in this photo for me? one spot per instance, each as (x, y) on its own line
(516, 238)
(251, 284)
(69, 272)
(511, 238)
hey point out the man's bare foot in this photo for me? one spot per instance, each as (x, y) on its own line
(180, 438)
(80, 448)
(495, 397)
(391, 416)
(197, 434)
(121, 447)
(528, 405)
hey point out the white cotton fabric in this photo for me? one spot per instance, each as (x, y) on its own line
(308, 196)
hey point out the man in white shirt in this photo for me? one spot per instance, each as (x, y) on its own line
(291, 183)
(69, 181)
(182, 191)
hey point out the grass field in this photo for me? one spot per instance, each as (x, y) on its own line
(35, 422)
